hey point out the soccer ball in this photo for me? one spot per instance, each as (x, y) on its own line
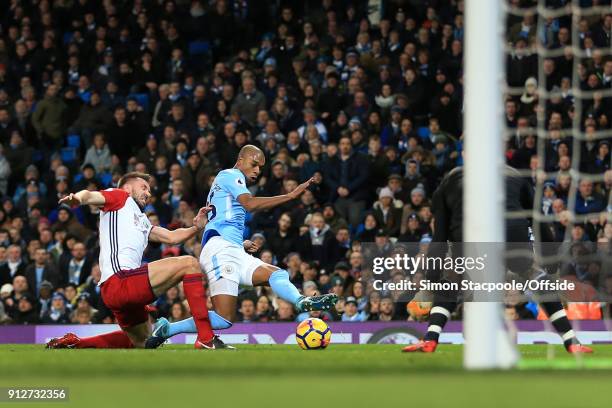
(313, 334)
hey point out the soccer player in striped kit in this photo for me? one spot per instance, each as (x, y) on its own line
(127, 287)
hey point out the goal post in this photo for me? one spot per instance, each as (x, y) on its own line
(486, 345)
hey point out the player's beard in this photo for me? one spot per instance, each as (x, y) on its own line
(138, 203)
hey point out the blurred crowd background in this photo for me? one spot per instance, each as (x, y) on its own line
(366, 96)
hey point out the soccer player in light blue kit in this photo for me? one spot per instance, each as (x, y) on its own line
(224, 257)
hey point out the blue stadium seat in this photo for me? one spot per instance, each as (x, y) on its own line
(105, 178)
(423, 132)
(67, 38)
(359, 229)
(68, 154)
(142, 99)
(199, 48)
(37, 156)
(199, 56)
(73, 141)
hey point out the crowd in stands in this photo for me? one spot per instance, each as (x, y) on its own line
(371, 107)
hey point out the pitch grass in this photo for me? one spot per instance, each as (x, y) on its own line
(285, 376)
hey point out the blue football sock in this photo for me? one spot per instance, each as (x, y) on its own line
(183, 326)
(188, 325)
(282, 286)
(217, 322)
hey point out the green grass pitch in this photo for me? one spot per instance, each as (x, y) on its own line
(286, 376)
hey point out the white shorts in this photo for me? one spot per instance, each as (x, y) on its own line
(227, 265)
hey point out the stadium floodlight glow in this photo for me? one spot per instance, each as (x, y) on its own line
(486, 344)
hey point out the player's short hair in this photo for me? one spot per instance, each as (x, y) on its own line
(133, 175)
(250, 150)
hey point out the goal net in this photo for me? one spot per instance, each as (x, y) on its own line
(539, 74)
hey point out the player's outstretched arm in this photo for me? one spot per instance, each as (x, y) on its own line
(84, 197)
(251, 203)
(174, 237)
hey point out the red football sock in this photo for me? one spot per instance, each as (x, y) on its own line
(116, 339)
(196, 297)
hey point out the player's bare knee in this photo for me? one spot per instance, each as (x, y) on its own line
(193, 265)
(189, 264)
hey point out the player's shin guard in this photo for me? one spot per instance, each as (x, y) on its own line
(558, 318)
(116, 339)
(282, 286)
(438, 316)
(196, 297)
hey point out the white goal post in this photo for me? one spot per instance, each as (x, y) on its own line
(486, 344)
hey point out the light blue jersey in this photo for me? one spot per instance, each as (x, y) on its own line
(227, 215)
